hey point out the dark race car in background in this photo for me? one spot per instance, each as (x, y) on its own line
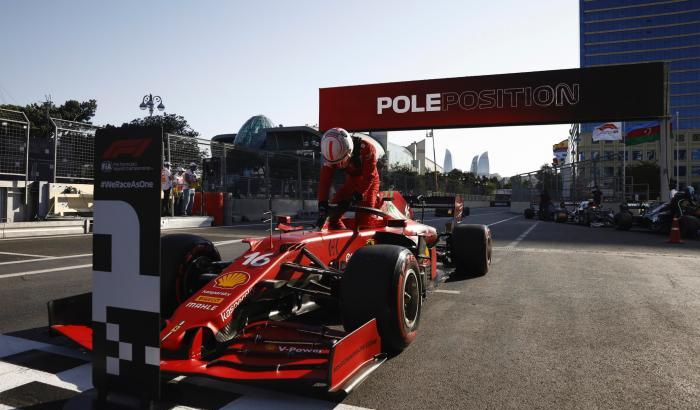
(254, 317)
(658, 217)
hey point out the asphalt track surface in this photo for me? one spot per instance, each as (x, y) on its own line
(568, 317)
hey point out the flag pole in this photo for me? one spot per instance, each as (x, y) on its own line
(624, 164)
(678, 154)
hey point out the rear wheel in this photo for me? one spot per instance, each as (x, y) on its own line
(470, 249)
(689, 226)
(183, 261)
(529, 213)
(383, 282)
(623, 221)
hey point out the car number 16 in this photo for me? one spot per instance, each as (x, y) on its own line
(256, 259)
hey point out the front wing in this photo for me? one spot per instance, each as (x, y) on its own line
(270, 350)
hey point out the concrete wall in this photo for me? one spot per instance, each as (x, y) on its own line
(252, 209)
(46, 228)
(477, 204)
(519, 207)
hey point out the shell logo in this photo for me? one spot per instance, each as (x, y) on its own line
(231, 280)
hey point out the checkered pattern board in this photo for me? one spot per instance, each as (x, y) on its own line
(39, 375)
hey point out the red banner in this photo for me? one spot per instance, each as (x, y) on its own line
(613, 93)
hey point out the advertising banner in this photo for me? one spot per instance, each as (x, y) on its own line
(560, 150)
(610, 131)
(612, 93)
(126, 263)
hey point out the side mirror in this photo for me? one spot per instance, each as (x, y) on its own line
(284, 219)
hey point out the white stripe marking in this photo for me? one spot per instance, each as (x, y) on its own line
(219, 243)
(24, 254)
(449, 292)
(522, 236)
(46, 237)
(503, 220)
(46, 258)
(36, 272)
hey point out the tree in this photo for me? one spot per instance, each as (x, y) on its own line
(643, 174)
(172, 124)
(38, 114)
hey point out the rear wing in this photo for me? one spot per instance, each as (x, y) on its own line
(444, 205)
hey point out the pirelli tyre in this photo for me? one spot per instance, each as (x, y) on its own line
(465, 211)
(689, 226)
(383, 282)
(623, 221)
(529, 213)
(183, 262)
(470, 249)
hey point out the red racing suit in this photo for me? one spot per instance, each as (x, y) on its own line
(362, 177)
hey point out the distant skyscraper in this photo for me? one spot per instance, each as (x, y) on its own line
(475, 161)
(447, 165)
(482, 167)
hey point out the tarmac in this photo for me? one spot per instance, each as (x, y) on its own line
(568, 317)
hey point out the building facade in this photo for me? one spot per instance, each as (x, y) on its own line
(636, 31)
(447, 163)
(483, 169)
(475, 162)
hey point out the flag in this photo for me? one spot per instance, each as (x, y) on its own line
(560, 150)
(643, 133)
(610, 131)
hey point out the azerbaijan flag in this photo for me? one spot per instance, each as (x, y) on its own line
(643, 133)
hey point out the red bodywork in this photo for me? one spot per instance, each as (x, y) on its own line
(274, 350)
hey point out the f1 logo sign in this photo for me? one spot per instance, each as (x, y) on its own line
(132, 147)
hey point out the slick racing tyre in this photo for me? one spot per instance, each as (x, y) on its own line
(383, 282)
(470, 248)
(689, 226)
(529, 213)
(465, 211)
(623, 221)
(183, 261)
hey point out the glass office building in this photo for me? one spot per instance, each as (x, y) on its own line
(634, 31)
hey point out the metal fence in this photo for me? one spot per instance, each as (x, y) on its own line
(74, 150)
(14, 143)
(242, 172)
(576, 182)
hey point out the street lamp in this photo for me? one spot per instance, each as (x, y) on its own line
(149, 101)
(430, 134)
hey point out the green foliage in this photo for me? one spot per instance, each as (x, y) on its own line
(407, 180)
(39, 113)
(646, 172)
(172, 124)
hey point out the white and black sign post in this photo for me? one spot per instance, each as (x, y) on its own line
(126, 267)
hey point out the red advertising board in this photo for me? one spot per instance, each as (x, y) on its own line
(613, 93)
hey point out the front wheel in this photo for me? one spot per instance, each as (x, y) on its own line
(382, 282)
(689, 226)
(183, 261)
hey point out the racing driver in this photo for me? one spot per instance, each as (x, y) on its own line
(358, 158)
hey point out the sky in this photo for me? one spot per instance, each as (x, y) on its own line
(218, 63)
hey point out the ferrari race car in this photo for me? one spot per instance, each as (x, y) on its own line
(255, 317)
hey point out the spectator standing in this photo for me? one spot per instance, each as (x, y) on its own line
(178, 188)
(191, 183)
(166, 185)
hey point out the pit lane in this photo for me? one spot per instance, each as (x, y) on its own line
(569, 316)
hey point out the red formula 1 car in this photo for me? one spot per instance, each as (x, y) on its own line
(247, 319)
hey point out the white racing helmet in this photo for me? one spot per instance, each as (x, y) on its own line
(336, 147)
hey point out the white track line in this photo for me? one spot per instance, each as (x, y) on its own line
(522, 235)
(503, 220)
(46, 258)
(24, 254)
(449, 292)
(219, 243)
(36, 272)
